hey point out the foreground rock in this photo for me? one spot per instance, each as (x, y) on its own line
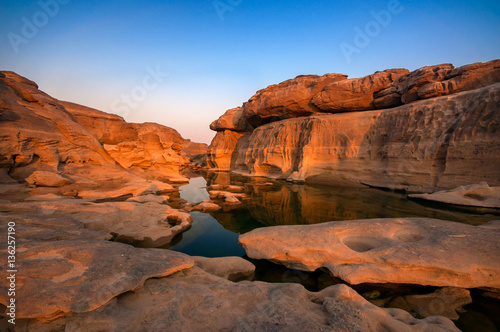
(195, 300)
(145, 224)
(477, 195)
(432, 129)
(76, 276)
(411, 250)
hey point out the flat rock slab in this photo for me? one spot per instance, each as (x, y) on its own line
(49, 228)
(478, 195)
(194, 300)
(81, 275)
(145, 224)
(408, 250)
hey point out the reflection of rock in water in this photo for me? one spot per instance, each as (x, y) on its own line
(285, 204)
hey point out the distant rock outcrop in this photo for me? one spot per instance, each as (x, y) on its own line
(40, 133)
(434, 128)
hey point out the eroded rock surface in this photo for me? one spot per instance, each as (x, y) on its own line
(47, 179)
(40, 133)
(431, 129)
(81, 275)
(411, 250)
(423, 146)
(195, 300)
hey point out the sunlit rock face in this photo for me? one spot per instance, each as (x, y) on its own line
(392, 132)
(37, 133)
(145, 145)
(41, 133)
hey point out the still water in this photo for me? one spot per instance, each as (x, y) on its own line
(272, 203)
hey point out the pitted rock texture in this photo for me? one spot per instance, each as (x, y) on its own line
(193, 300)
(81, 275)
(410, 250)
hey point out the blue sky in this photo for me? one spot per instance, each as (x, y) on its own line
(210, 56)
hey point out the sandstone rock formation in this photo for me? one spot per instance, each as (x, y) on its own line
(47, 179)
(359, 94)
(230, 268)
(75, 276)
(478, 195)
(145, 224)
(37, 133)
(412, 250)
(196, 300)
(444, 134)
(40, 133)
(146, 146)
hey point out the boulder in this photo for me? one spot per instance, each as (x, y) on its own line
(446, 134)
(206, 206)
(81, 275)
(288, 99)
(219, 154)
(401, 250)
(147, 146)
(468, 77)
(233, 120)
(47, 179)
(408, 85)
(358, 94)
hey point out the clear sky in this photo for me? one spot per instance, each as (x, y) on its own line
(184, 63)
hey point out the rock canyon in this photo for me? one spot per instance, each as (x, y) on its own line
(98, 207)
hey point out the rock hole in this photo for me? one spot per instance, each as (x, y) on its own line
(362, 243)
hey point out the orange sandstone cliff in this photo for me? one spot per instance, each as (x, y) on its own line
(41, 133)
(434, 128)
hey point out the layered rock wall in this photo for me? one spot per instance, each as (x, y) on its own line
(438, 128)
(39, 132)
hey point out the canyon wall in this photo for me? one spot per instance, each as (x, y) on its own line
(39, 132)
(434, 128)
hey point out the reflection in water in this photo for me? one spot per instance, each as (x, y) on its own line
(279, 203)
(208, 238)
(285, 204)
(195, 191)
(272, 203)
